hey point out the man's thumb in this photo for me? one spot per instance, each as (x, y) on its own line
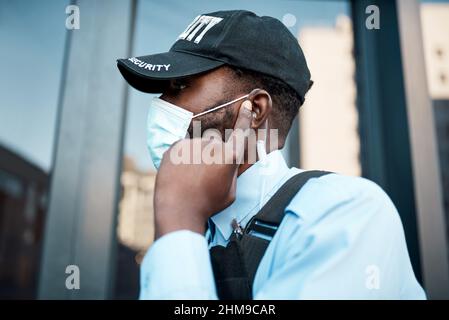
(245, 116)
(238, 139)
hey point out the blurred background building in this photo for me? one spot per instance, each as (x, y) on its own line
(329, 127)
(76, 182)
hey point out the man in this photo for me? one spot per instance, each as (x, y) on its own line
(244, 230)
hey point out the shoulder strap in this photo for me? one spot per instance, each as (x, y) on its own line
(262, 227)
(272, 212)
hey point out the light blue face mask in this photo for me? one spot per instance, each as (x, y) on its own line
(168, 123)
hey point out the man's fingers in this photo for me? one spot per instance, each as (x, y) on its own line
(238, 139)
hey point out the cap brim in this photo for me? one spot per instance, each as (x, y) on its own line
(151, 73)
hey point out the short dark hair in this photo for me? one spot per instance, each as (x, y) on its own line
(286, 101)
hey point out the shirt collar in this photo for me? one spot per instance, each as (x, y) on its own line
(249, 189)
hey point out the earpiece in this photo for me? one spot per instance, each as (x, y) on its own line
(261, 144)
(261, 150)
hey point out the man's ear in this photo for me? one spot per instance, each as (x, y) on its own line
(262, 105)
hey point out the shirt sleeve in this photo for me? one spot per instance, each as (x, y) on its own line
(177, 266)
(350, 245)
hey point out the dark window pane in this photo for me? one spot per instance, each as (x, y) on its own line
(32, 34)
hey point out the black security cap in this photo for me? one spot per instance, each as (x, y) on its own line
(237, 38)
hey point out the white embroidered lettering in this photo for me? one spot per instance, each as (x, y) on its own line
(149, 66)
(200, 22)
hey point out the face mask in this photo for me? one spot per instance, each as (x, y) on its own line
(168, 123)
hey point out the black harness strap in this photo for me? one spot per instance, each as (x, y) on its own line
(236, 264)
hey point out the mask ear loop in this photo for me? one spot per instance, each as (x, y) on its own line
(220, 106)
(253, 92)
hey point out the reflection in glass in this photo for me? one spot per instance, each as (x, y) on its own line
(32, 37)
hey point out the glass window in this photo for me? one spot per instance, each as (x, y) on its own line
(32, 38)
(435, 28)
(327, 120)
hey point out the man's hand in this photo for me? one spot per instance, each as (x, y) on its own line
(186, 195)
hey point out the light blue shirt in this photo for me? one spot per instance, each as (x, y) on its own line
(341, 238)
